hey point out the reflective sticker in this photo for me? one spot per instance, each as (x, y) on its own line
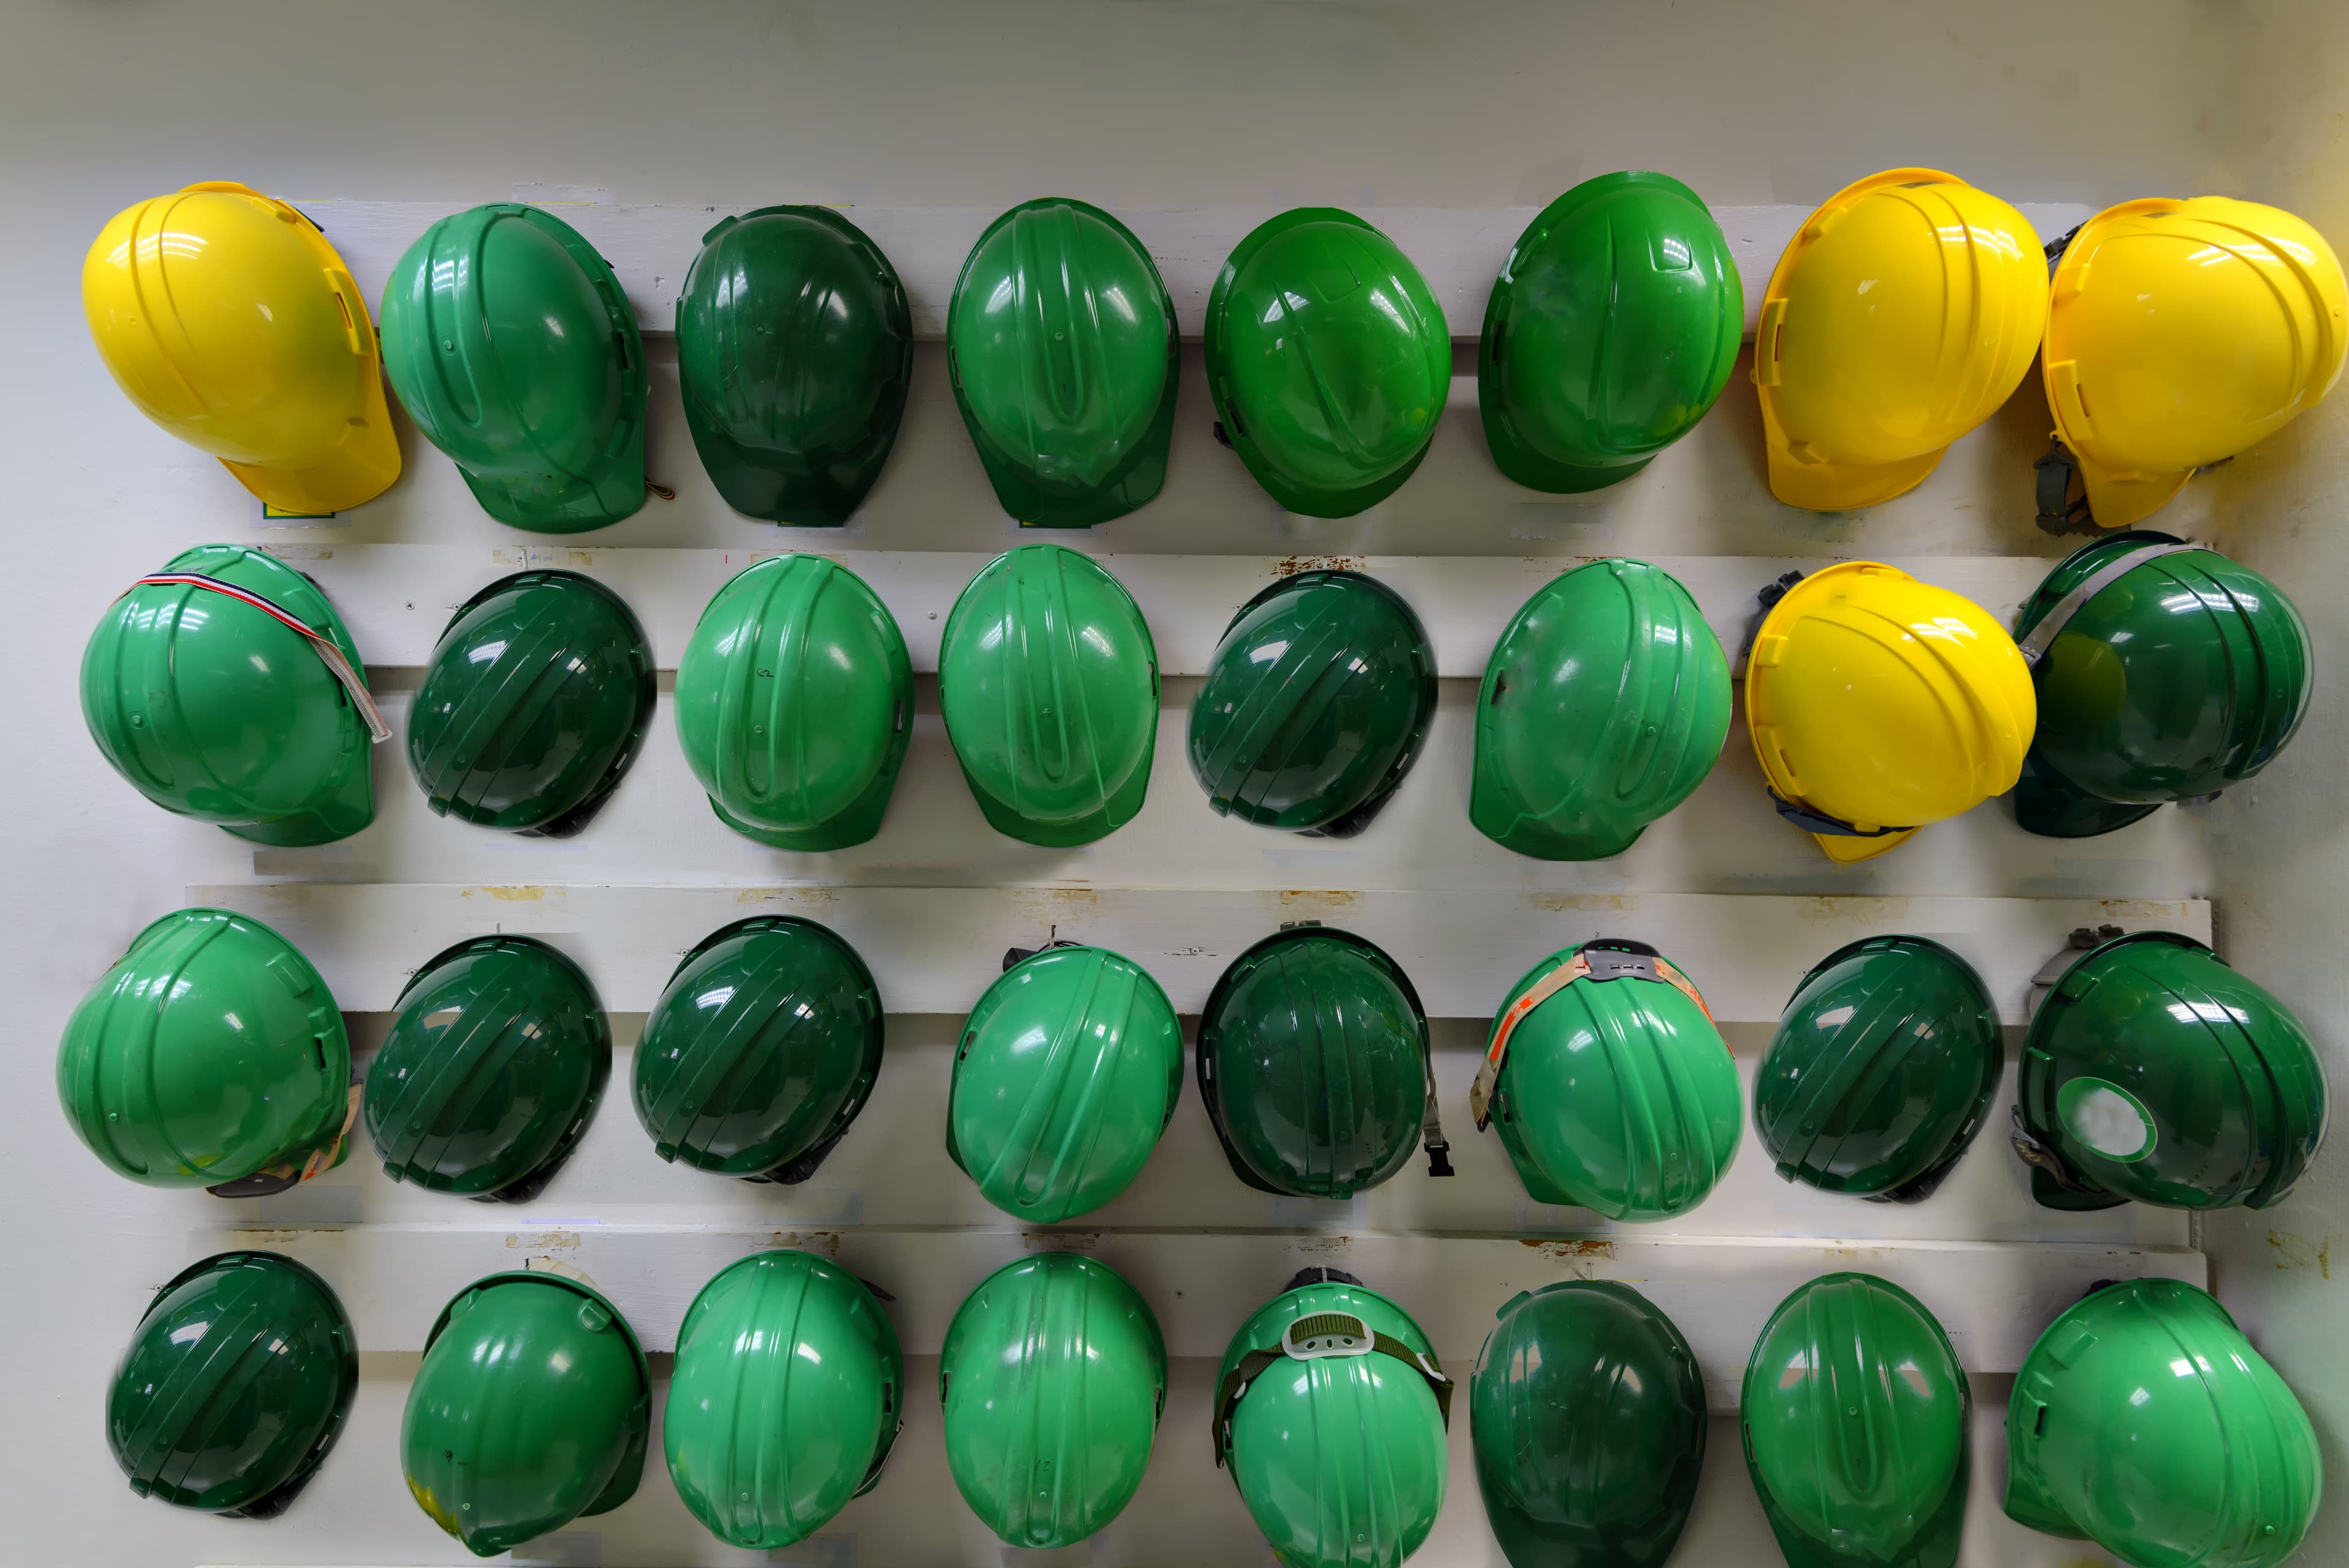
(2106, 1118)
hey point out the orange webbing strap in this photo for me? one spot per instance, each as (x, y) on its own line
(1641, 966)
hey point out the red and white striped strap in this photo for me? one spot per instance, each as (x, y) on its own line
(323, 646)
(1488, 1077)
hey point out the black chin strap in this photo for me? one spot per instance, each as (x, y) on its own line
(2058, 513)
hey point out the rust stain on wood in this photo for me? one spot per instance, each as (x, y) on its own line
(824, 1241)
(1550, 1248)
(1290, 565)
(532, 1240)
(1325, 1243)
(523, 893)
(1321, 898)
(1586, 903)
(2303, 1254)
(812, 897)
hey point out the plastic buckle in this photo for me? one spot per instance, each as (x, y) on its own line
(1323, 1335)
(1767, 597)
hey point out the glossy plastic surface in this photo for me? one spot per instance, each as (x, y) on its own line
(795, 705)
(794, 351)
(1316, 704)
(1329, 360)
(1604, 705)
(760, 1051)
(1053, 1376)
(218, 711)
(1061, 340)
(1068, 1071)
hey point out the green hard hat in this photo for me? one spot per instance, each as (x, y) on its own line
(1589, 1417)
(1611, 1088)
(497, 1057)
(212, 1054)
(531, 1409)
(234, 1386)
(787, 1391)
(1609, 334)
(1604, 706)
(1329, 360)
(1053, 1376)
(760, 1052)
(1315, 1066)
(1856, 1418)
(795, 705)
(1069, 1070)
(1315, 705)
(1048, 683)
(2154, 1072)
(535, 705)
(1061, 342)
(199, 692)
(794, 350)
(2144, 1420)
(1881, 1071)
(2164, 671)
(509, 344)
(1341, 1458)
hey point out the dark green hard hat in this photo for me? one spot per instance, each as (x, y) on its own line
(234, 1386)
(212, 1054)
(1588, 1416)
(1315, 1064)
(2154, 1072)
(794, 350)
(532, 1408)
(1611, 331)
(210, 687)
(1048, 683)
(795, 705)
(2165, 671)
(788, 1392)
(1855, 1417)
(535, 705)
(2145, 1421)
(1329, 360)
(1052, 1376)
(1604, 706)
(1882, 1069)
(1068, 1072)
(1061, 344)
(497, 1057)
(760, 1052)
(1315, 705)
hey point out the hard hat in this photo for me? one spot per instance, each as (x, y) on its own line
(211, 1054)
(1609, 334)
(1854, 1413)
(1315, 706)
(2145, 1421)
(794, 350)
(1901, 315)
(1061, 343)
(1588, 1416)
(2154, 1072)
(1881, 1071)
(1068, 1071)
(1048, 681)
(2166, 672)
(1879, 704)
(2181, 333)
(225, 688)
(1315, 1066)
(1604, 706)
(760, 1051)
(497, 1057)
(531, 1409)
(787, 1391)
(226, 318)
(1611, 1086)
(795, 705)
(1341, 1456)
(535, 705)
(234, 1386)
(511, 345)
(1329, 360)
(1053, 1376)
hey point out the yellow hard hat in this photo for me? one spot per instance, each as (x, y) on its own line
(1879, 704)
(1901, 315)
(230, 321)
(2179, 333)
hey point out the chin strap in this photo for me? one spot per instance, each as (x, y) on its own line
(1320, 1336)
(328, 654)
(1589, 962)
